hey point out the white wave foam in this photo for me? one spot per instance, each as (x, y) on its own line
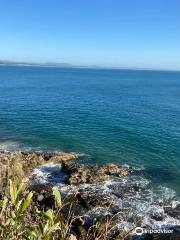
(166, 223)
(165, 193)
(48, 173)
(9, 145)
(132, 193)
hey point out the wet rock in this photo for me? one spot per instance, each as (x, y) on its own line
(63, 157)
(173, 211)
(19, 165)
(157, 214)
(79, 173)
(86, 176)
(113, 169)
(43, 198)
(78, 221)
(93, 199)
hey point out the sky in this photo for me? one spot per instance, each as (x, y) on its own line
(110, 33)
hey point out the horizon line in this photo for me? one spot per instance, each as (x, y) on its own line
(69, 65)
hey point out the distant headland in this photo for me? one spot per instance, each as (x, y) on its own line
(45, 64)
(69, 65)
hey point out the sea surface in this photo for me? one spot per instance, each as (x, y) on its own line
(121, 116)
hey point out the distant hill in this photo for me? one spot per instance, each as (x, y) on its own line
(47, 64)
(4, 62)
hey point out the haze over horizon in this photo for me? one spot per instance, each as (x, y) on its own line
(125, 34)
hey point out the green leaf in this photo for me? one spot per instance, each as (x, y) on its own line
(13, 215)
(12, 191)
(57, 196)
(49, 214)
(45, 228)
(19, 189)
(19, 204)
(27, 202)
(3, 207)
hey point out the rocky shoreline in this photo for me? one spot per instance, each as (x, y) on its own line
(114, 193)
(19, 165)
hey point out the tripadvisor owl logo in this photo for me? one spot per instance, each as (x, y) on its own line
(138, 230)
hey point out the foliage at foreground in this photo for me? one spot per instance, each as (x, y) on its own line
(21, 219)
(16, 213)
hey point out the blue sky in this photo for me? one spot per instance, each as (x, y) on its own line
(121, 33)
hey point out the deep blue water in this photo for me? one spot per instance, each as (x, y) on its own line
(121, 116)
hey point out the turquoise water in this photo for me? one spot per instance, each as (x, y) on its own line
(121, 116)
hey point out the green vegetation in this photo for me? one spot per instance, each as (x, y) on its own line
(21, 219)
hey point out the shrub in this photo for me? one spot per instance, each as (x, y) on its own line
(19, 220)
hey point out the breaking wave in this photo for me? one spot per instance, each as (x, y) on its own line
(133, 197)
(8, 145)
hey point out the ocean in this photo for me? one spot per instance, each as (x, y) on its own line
(109, 115)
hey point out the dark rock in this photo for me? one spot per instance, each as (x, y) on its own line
(78, 221)
(113, 169)
(173, 212)
(79, 173)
